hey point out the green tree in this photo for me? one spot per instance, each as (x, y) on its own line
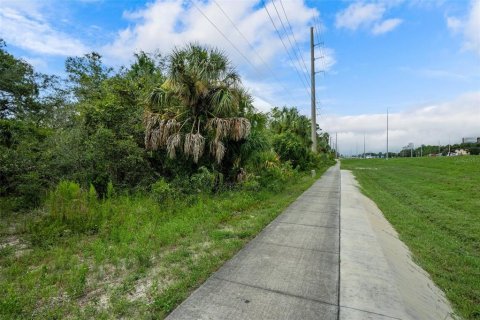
(290, 120)
(200, 108)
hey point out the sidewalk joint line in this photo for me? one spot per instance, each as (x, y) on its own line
(308, 225)
(294, 247)
(371, 312)
(311, 211)
(277, 291)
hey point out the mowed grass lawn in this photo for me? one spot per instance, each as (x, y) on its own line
(434, 204)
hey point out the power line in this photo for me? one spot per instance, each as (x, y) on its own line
(294, 39)
(299, 58)
(226, 38)
(284, 46)
(250, 45)
(319, 42)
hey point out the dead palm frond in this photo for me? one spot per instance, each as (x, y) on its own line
(194, 146)
(221, 127)
(155, 138)
(173, 142)
(217, 149)
(239, 128)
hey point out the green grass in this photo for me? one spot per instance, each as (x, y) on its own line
(434, 204)
(140, 261)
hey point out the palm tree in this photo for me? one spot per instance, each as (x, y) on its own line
(200, 104)
(290, 120)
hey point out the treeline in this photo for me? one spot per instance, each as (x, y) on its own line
(172, 124)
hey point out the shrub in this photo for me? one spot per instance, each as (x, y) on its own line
(74, 207)
(290, 147)
(162, 191)
(202, 181)
(251, 183)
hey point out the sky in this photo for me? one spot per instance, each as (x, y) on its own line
(420, 59)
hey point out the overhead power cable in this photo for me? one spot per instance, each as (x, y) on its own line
(289, 41)
(294, 39)
(250, 45)
(285, 47)
(226, 38)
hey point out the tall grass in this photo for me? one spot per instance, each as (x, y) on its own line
(143, 258)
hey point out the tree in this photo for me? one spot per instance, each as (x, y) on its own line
(87, 74)
(290, 120)
(200, 105)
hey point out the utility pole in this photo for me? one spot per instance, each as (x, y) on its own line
(336, 144)
(387, 135)
(312, 85)
(448, 145)
(364, 145)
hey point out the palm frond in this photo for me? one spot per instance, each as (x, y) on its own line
(224, 102)
(220, 126)
(173, 142)
(239, 128)
(217, 149)
(194, 146)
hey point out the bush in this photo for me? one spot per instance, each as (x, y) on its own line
(162, 191)
(74, 207)
(251, 183)
(290, 147)
(202, 181)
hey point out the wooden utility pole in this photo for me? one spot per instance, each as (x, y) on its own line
(312, 85)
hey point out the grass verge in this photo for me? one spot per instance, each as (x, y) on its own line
(434, 205)
(140, 262)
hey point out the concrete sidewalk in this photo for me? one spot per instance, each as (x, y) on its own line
(289, 271)
(379, 280)
(330, 255)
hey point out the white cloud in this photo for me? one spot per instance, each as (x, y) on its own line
(469, 27)
(454, 24)
(472, 28)
(359, 14)
(37, 63)
(26, 27)
(386, 26)
(152, 29)
(271, 77)
(367, 15)
(262, 105)
(426, 124)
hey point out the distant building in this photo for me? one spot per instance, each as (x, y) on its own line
(471, 140)
(462, 152)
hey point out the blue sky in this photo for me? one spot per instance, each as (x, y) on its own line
(419, 58)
